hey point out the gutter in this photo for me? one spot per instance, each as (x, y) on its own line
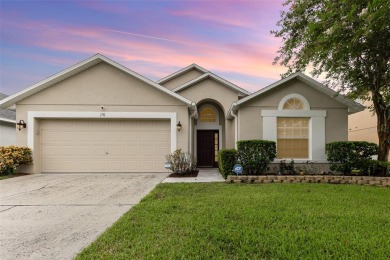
(235, 127)
(193, 115)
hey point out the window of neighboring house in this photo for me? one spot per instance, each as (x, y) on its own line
(293, 138)
(208, 115)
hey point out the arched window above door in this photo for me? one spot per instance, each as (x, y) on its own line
(208, 114)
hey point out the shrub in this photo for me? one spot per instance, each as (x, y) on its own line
(255, 155)
(181, 163)
(349, 155)
(287, 168)
(226, 161)
(13, 156)
(379, 168)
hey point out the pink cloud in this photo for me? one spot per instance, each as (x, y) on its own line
(154, 48)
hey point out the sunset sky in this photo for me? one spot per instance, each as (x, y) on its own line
(153, 38)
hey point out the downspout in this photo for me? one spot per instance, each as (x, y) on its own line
(235, 126)
(192, 116)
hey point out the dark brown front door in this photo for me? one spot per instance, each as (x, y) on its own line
(207, 148)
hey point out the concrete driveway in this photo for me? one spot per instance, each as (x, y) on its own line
(55, 216)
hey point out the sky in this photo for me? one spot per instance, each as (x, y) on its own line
(151, 37)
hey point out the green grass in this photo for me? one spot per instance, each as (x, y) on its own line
(6, 176)
(270, 221)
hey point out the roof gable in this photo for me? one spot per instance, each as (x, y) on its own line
(213, 77)
(7, 115)
(77, 68)
(353, 106)
(181, 72)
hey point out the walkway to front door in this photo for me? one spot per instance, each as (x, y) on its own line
(204, 175)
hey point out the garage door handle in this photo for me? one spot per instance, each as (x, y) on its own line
(106, 152)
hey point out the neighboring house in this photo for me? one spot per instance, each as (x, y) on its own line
(362, 126)
(7, 125)
(99, 116)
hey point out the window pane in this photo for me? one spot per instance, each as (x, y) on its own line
(294, 104)
(207, 115)
(293, 138)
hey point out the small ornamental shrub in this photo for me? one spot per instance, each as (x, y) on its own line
(181, 163)
(13, 156)
(379, 168)
(287, 168)
(351, 155)
(255, 155)
(226, 161)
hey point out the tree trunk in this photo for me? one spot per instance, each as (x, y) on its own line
(383, 126)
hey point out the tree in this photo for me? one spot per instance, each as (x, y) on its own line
(349, 42)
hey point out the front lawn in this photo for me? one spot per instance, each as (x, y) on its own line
(229, 221)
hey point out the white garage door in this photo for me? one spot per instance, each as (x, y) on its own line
(104, 145)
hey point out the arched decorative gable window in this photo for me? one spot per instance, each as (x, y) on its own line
(294, 104)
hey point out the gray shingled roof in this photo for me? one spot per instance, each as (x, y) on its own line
(6, 114)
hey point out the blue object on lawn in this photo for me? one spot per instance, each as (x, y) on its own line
(238, 169)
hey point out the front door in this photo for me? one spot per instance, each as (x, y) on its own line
(207, 148)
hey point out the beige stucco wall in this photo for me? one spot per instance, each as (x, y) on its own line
(211, 90)
(182, 79)
(100, 85)
(250, 121)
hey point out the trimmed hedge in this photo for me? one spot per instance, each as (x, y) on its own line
(351, 155)
(255, 155)
(13, 156)
(226, 161)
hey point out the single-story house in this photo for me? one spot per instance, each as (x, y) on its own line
(99, 116)
(7, 125)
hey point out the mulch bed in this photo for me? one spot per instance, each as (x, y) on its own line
(190, 174)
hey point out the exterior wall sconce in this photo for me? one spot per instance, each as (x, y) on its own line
(20, 125)
(178, 127)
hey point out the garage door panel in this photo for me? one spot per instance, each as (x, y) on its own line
(99, 136)
(145, 137)
(115, 150)
(145, 166)
(161, 151)
(104, 145)
(97, 150)
(115, 137)
(115, 165)
(129, 137)
(130, 151)
(81, 151)
(162, 137)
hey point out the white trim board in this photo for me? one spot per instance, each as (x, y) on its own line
(32, 115)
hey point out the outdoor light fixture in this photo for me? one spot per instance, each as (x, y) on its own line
(178, 127)
(20, 125)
